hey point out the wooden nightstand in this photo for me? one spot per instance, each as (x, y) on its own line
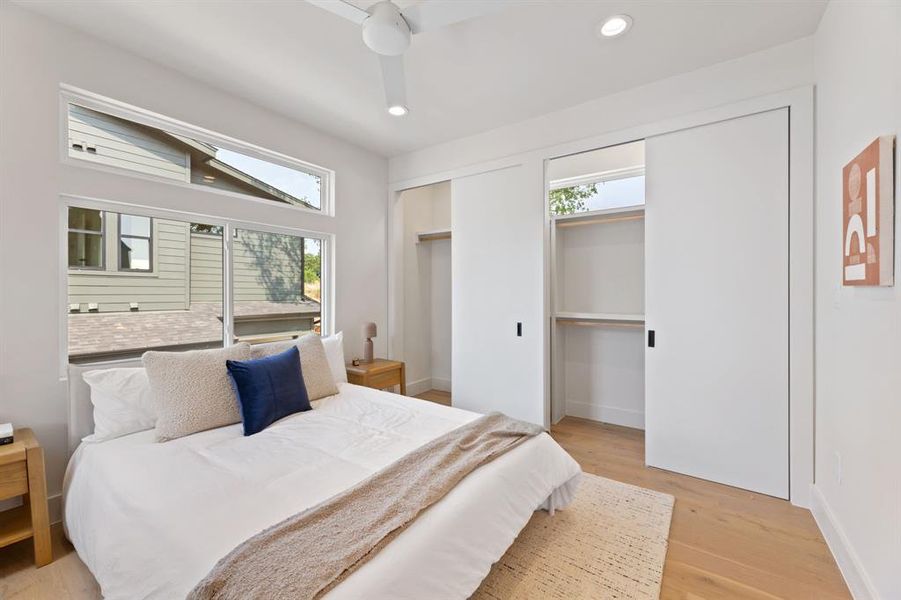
(22, 474)
(379, 374)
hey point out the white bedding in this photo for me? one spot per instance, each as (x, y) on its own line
(151, 519)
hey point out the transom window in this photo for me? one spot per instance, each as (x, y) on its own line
(104, 139)
(617, 190)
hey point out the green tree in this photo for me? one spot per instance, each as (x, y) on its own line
(569, 200)
(311, 268)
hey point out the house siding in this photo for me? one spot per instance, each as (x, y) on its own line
(163, 289)
(262, 272)
(206, 268)
(120, 143)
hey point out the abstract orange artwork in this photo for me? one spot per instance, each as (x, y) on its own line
(868, 215)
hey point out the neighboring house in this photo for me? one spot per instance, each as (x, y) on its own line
(107, 140)
(163, 278)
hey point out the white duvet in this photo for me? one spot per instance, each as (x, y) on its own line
(151, 519)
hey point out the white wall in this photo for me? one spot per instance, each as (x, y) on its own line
(603, 373)
(624, 156)
(600, 268)
(772, 70)
(858, 330)
(426, 285)
(441, 314)
(36, 56)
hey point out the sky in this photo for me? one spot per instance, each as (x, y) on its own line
(617, 193)
(297, 183)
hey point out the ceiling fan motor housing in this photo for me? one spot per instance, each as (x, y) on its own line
(385, 31)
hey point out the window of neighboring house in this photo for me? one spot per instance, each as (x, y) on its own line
(85, 239)
(104, 139)
(276, 292)
(135, 243)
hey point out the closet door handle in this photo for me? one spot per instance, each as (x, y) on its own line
(651, 337)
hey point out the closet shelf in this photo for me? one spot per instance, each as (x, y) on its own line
(576, 318)
(611, 215)
(435, 234)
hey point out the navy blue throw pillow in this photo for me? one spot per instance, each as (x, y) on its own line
(269, 388)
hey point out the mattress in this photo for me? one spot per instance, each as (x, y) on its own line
(151, 519)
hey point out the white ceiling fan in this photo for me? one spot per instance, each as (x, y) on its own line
(387, 31)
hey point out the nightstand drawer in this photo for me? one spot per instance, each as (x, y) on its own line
(13, 479)
(382, 380)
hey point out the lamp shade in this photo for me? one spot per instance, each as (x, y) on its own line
(369, 330)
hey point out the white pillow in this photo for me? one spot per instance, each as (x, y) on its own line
(334, 352)
(122, 402)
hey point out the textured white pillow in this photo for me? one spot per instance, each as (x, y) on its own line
(192, 390)
(334, 352)
(314, 364)
(122, 402)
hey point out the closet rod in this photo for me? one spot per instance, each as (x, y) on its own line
(430, 236)
(599, 323)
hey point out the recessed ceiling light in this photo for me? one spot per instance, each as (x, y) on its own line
(398, 110)
(614, 26)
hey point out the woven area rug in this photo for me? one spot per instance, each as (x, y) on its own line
(609, 543)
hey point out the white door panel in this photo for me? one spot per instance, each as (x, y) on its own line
(496, 279)
(717, 299)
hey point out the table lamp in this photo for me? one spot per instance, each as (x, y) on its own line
(369, 332)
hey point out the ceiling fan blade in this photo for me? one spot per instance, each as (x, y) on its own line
(435, 14)
(393, 78)
(342, 9)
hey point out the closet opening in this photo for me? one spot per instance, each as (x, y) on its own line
(596, 205)
(426, 214)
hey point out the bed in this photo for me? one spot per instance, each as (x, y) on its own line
(151, 519)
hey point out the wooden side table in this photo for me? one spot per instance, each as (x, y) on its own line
(22, 474)
(379, 374)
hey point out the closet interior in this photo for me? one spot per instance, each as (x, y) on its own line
(596, 204)
(426, 215)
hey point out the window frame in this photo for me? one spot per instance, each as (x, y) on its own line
(73, 95)
(597, 177)
(101, 233)
(229, 226)
(120, 236)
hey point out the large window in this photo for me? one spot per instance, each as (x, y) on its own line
(104, 139)
(161, 285)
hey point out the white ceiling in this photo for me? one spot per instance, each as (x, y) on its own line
(535, 57)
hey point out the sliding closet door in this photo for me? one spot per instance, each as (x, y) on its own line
(716, 235)
(496, 266)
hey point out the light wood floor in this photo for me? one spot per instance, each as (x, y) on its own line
(725, 543)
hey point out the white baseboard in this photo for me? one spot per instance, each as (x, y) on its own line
(607, 414)
(442, 385)
(414, 388)
(848, 562)
(54, 506)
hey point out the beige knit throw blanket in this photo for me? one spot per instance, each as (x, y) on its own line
(311, 552)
